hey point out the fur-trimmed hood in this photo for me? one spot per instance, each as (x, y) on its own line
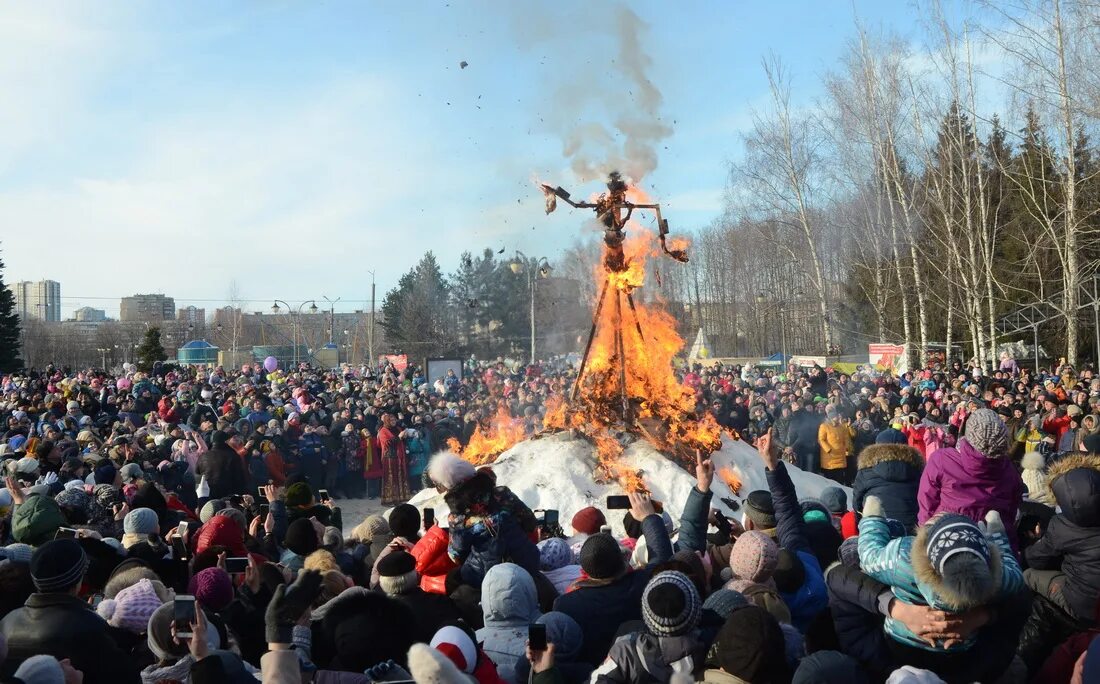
(1074, 482)
(882, 453)
(1033, 460)
(927, 575)
(471, 495)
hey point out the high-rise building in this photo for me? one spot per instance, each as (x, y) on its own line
(87, 314)
(191, 314)
(40, 300)
(147, 307)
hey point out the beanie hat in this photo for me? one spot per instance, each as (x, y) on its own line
(371, 529)
(17, 553)
(952, 534)
(835, 499)
(429, 666)
(554, 553)
(298, 495)
(236, 516)
(105, 473)
(601, 557)
(848, 553)
(751, 645)
(73, 499)
(212, 588)
(759, 509)
(36, 521)
(987, 433)
(457, 645)
(671, 604)
(448, 470)
(161, 642)
(210, 508)
(28, 465)
(725, 601)
(790, 574)
(301, 538)
(140, 521)
(754, 556)
(404, 521)
(58, 565)
(588, 520)
(128, 573)
(891, 436)
(397, 572)
(132, 607)
(40, 669)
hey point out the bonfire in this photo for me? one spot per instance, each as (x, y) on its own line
(625, 388)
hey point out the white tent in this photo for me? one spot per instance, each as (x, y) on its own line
(700, 348)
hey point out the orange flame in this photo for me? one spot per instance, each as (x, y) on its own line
(486, 444)
(730, 477)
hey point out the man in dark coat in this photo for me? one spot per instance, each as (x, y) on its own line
(803, 436)
(398, 579)
(223, 468)
(54, 621)
(611, 594)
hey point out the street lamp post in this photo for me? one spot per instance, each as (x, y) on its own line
(296, 320)
(537, 268)
(103, 353)
(331, 318)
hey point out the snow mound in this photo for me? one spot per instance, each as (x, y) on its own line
(555, 472)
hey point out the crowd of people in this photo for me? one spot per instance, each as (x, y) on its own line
(183, 525)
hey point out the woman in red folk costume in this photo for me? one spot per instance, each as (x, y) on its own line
(395, 478)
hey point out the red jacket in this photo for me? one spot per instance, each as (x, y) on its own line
(221, 531)
(432, 561)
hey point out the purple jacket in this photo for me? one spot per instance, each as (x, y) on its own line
(963, 480)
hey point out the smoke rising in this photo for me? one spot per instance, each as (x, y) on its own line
(607, 112)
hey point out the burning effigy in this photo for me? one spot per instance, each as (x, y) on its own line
(626, 388)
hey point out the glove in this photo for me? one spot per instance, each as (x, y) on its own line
(872, 507)
(47, 479)
(992, 525)
(288, 605)
(203, 490)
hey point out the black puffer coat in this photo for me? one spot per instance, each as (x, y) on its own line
(892, 473)
(1072, 541)
(486, 526)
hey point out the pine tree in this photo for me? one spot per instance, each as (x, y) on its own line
(416, 316)
(9, 329)
(150, 351)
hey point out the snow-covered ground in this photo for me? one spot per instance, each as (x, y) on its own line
(555, 472)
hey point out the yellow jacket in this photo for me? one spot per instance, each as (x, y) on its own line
(835, 440)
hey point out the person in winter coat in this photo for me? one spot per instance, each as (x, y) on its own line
(398, 579)
(834, 438)
(750, 647)
(313, 455)
(55, 621)
(610, 594)
(670, 644)
(975, 477)
(567, 639)
(949, 565)
(557, 563)
(222, 468)
(1033, 473)
(805, 423)
(1064, 564)
(892, 472)
(510, 604)
(486, 523)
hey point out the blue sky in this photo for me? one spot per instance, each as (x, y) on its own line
(294, 147)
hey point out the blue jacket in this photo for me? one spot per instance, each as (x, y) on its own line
(812, 597)
(903, 564)
(485, 530)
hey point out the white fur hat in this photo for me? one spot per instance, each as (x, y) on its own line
(448, 470)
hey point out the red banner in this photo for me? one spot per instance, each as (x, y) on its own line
(399, 361)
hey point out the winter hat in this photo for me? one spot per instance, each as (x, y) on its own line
(373, 527)
(73, 499)
(212, 588)
(753, 557)
(751, 646)
(298, 495)
(105, 473)
(210, 508)
(566, 635)
(958, 553)
(397, 572)
(140, 521)
(759, 509)
(404, 521)
(160, 640)
(952, 534)
(790, 574)
(601, 557)
(588, 520)
(333, 540)
(301, 538)
(554, 553)
(725, 601)
(448, 470)
(835, 499)
(671, 604)
(429, 666)
(911, 675)
(131, 472)
(987, 433)
(128, 573)
(133, 606)
(457, 646)
(36, 521)
(826, 667)
(28, 465)
(891, 436)
(58, 565)
(17, 553)
(40, 669)
(235, 515)
(320, 560)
